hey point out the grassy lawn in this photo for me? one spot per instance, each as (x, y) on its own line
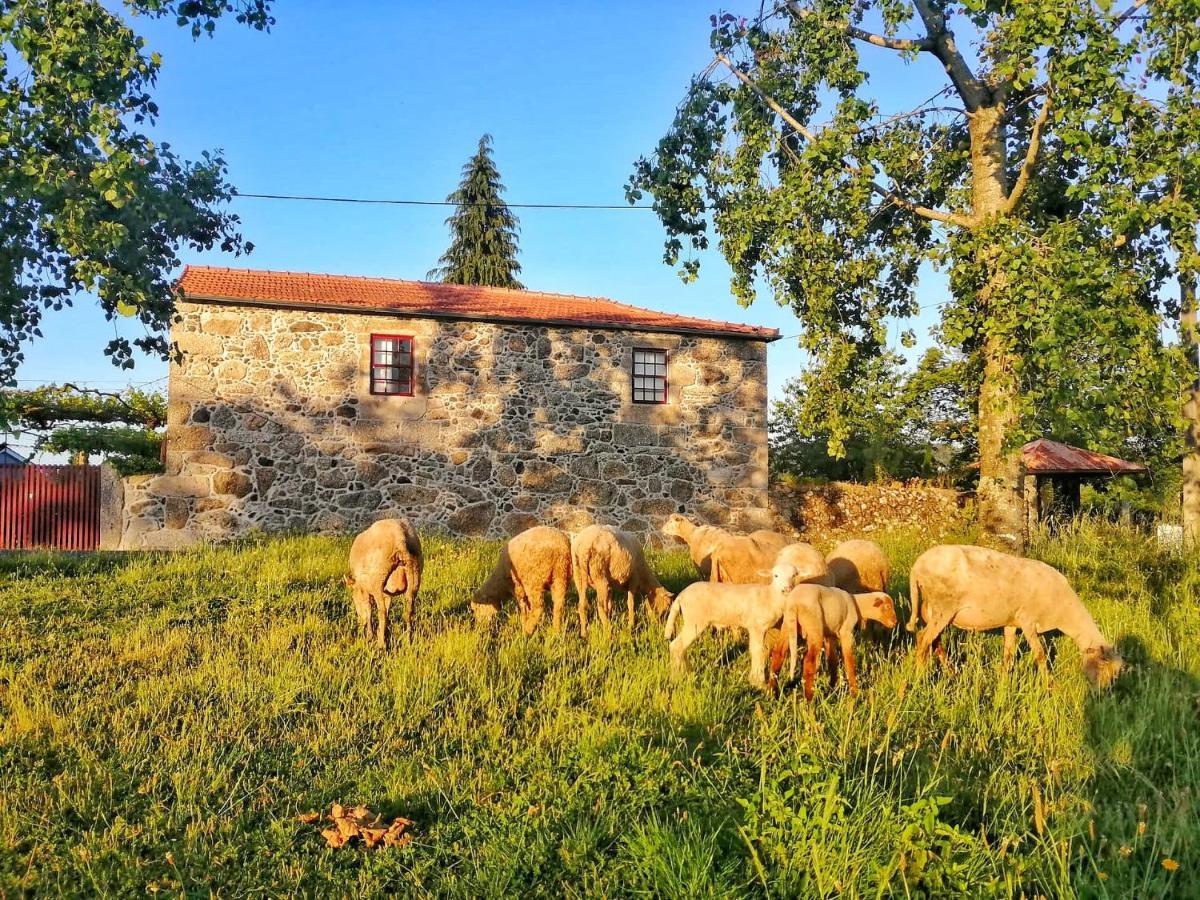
(163, 720)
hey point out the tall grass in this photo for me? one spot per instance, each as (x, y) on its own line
(163, 718)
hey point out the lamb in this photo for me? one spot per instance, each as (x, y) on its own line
(605, 558)
(385, 560)
(754, 607)
(859, 566)
(535, 560)
(978, 589)
(811, 568)
(828, 616)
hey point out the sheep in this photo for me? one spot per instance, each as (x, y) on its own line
(536, 559)
(738, 559)
(810, 567)
(701, 539)
(859, 566)
(754, 607)
(978, 589)
(605, 558)
(385, 560)
(828, 616)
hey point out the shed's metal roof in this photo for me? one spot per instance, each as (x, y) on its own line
(1046, 457)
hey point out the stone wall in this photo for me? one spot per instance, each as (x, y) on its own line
(844, 509)
(271, 426)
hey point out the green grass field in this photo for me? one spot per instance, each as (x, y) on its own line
(163, 720)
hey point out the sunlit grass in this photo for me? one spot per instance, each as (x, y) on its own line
(163, 718)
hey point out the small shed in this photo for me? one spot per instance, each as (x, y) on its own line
(1054, 472)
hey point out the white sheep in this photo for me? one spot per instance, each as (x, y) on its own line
(858, 566)
(978, 589)
(753, 607)
(701, 540)
(605, 559)
(746, 559)
(537, 559)
(828, 616)
(385, 560)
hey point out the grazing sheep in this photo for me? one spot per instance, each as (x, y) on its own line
(738, 559)
(810, 564)
(532, 562)
(978, 589)
(828, 617)
(605, 559)
(701, 539)
(859, 566)
(754, 607)
(385, 560)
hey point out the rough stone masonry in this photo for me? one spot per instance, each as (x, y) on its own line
(272, 427)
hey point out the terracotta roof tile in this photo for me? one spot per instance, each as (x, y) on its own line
(1046, 457)
(451, 301)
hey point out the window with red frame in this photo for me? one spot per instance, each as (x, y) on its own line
(649, 375)
(392, 365)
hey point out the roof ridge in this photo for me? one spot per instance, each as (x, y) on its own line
(482, 292)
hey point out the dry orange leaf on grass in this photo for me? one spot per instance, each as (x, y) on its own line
(361, 823)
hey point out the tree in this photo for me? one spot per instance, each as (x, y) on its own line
(123, 429)
(1042, 184)
(483, 230)
(91, 203)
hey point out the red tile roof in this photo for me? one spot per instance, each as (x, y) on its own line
(1045, 457)
(448, 301)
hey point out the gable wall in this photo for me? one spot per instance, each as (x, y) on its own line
(271, 427)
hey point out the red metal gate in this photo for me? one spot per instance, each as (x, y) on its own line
(49, 507)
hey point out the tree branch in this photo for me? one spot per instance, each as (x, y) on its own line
(973, 92)
(1031, 154)
(1134, 7)
(870, 37)
(924, 212)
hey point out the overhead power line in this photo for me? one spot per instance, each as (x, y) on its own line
(390, 202)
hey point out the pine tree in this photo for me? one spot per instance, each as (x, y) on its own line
(483, 245)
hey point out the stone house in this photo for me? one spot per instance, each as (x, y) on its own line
(321, 403)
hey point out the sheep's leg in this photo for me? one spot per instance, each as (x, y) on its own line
(688, 633)
(928, 638)
(583, 609)
(810, 667)
(1035, 644)
(536, 607)
(758, 657)
(629, 608)
(604, 600)
(558, 600)
(383, 601)
(362, 611)
(522, 603)
(779, 650)
(1010, 646)
(831, 661)
(410, 601)
(848, 659)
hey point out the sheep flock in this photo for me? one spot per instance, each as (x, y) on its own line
(777, 590)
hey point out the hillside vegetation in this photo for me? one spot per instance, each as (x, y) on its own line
(164, 719)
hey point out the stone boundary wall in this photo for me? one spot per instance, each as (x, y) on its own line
(272, 427)
(844, 509)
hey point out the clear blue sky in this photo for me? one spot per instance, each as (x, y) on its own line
(389, 99)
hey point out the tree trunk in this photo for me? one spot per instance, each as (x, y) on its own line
(1191, 414)
(1001, 511)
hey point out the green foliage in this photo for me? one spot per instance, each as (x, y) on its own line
(1058, 187)
(131, 451)
(92, 203)
(121, 428)
(167, 716)
(893, 424)
(483, 230)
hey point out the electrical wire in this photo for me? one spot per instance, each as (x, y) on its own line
(312, 198)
